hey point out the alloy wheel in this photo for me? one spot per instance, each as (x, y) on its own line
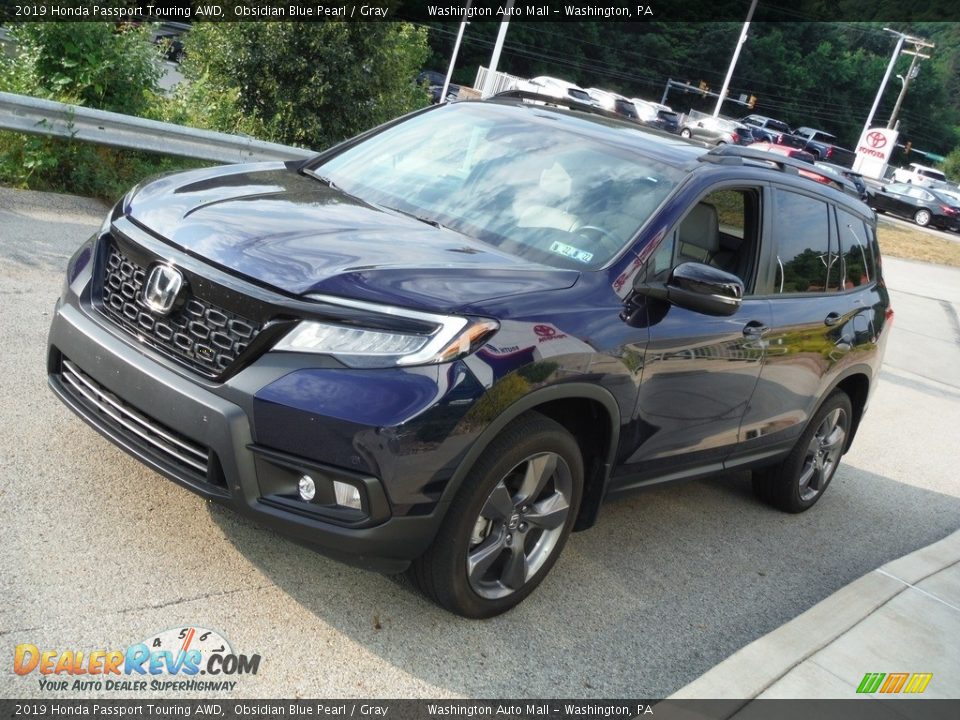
(922, 218)
(519, 526)
(823, 454)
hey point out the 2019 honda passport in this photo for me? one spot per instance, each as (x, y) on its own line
(441, 345)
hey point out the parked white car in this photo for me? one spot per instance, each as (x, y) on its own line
(560, 89)
(605, 99)
(921, 175)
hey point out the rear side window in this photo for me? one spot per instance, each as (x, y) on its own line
(857, 263)
(804, 260)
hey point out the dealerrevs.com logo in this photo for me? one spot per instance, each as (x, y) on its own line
(188, 659)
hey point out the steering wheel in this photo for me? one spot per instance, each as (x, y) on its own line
(601, 235)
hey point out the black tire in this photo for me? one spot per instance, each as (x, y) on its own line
(443, 573)
(922, 217)
(817, 452)
(685, 133)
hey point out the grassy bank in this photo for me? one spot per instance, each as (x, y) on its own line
(915, 244)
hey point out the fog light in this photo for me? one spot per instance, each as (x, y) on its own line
(347, 495)
(307, 488)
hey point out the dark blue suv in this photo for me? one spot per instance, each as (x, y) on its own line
(440, 346)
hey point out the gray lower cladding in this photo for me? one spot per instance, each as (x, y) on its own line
(113, 386)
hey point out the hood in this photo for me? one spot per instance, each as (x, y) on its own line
(294, 233)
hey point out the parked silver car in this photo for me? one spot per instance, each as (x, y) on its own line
(714, 130)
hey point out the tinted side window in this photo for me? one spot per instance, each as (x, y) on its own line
(857, 265)
(802, 230)
(720, 231)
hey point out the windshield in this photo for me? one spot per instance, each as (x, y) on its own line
(519, 181)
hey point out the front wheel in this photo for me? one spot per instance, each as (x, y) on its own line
(796, 483)
(685, 133)
(922, 217)
(508, 523)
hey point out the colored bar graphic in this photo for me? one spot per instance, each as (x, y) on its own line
(895, 682)
(870, 682)
(918, 682)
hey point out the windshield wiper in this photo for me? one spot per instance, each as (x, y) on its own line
(333, 186)
(322, 178)
(429, 221)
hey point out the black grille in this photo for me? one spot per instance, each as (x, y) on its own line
(201, 335)
(191, 459)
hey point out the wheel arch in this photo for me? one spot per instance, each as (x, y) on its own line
(578, 407)
(855, 382)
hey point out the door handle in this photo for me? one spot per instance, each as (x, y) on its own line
(755, 328)
(832, 319)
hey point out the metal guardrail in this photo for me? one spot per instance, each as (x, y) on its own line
(47, 117)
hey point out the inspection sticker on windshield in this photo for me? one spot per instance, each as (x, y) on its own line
(571, 252)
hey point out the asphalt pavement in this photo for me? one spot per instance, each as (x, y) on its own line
(98, 552)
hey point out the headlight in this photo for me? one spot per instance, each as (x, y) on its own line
(448, 338)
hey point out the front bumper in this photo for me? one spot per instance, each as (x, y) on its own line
(88, 359)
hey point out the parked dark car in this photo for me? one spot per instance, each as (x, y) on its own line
(433, 81)
(773, 131)
(171, 46)
(823, 146)
(854, 177)
(924, 206)
(439, 347)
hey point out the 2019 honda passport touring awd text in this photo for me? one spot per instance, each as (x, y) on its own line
(441, 345)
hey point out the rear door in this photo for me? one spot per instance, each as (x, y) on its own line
(812, 317)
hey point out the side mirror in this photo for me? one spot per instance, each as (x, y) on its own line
(700, 288)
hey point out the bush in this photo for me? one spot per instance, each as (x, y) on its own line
(90, 64)
(307, 84)
(84, 63)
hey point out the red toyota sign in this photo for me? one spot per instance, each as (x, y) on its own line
(876, 139)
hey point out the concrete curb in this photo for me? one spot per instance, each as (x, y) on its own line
(751, 670)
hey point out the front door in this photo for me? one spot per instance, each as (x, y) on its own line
(699, 371)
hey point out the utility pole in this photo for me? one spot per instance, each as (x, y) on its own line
(733, 60)
(497, 48)
(911, 74)
(456, 49)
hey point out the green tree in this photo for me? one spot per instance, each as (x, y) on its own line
(309, 84)
(951, 166)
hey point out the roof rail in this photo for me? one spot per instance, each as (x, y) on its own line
(548, 99)
(736, 154)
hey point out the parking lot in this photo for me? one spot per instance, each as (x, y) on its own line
(98, 552)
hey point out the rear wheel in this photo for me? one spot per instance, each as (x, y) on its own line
(685, 133)
(922, 217)
(508, 523)
(796, 483)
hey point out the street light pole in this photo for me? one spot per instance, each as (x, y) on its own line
(733, 60)
(883, 84)
(497, 48)
(456, 49)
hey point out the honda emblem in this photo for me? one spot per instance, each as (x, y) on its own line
(161, 289)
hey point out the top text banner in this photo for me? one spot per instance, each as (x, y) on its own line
(614, 11)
